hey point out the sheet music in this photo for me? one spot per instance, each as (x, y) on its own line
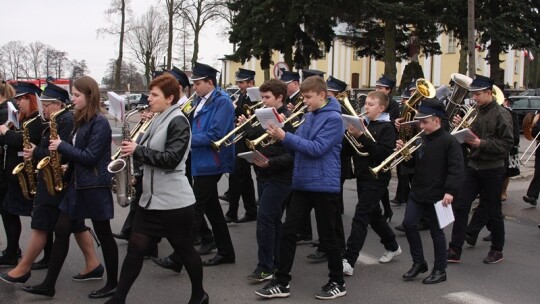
(40, 106)
(250, 156)
(445, 215)
(254, 94)
(12, 115)
(462, 134)
(268, 115)
(116, 105)
(355, 121)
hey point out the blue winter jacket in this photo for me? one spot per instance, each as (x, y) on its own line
(316, 146)
(212, 123)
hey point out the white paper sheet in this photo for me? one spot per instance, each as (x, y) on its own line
(252, 155)
(268, 115)
(445, 215)
(355, 121)
(116, 105)
(462, 134)
(13, 115)
(254, 94)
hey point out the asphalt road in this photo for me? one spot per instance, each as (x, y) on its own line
(515, 280)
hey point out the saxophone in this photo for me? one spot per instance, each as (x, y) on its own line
(52, 169)
(122, 168)
(25, 171)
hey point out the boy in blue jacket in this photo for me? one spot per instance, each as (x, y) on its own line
(316, 147)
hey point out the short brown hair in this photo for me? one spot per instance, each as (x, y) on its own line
(7, 90)
(168, 85)
(276, 87)
(313, 84)
(89, 87)
(381, 97)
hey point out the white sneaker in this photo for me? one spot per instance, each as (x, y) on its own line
(389, 255)
(347, 268)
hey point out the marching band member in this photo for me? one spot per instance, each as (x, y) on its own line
(438, 171)
(533, 190)
(292, 80)
(490, 141)
(15, 204)
(45, 210)
(183, 81)
(88, 194)
(316, 178)
(166, 207)
(370, 188)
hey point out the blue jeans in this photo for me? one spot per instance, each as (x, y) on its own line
(271, 197)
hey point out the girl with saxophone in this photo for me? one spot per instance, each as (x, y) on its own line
(18, 199)
(45, 208)
(166, 207)
(88, 194)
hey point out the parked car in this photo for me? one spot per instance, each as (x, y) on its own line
(523, 105)
(134, 102)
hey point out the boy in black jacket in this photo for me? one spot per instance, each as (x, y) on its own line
(438, 170)
(370, 188)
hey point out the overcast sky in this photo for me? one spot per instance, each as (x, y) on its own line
(70, 26)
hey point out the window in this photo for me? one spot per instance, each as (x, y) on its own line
(479, 62)
(452, 43)
(322, 51)
(356, 57)
(516, 66)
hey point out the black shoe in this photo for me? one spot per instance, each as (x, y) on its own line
(206, 248)
(400, 228)
(218, 259)
(471, 240)
(487, 238)
(230, 219)
(318, 256)
(315, 243)
(167, 263)
(121, 236)
(436, 276)
(223, 197)
(4, 276)
(102, 293)
(416, 269)
(153, 253)
(96, 274)
(197, 241)
(493, 257)
(246, 218)
(43, 264)
(453, 256)
(19, 253)
(39, 291)
(6, 261)
(529, 199)
(300, 238)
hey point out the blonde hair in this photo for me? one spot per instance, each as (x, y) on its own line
(7, 90)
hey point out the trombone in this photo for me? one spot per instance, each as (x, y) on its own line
(355, 144)
(226, 140)
(403, 154)
(252, 144)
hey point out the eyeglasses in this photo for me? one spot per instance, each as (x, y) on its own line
(48, 105)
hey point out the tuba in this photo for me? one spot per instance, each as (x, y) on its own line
(51, 166)
(355, 144)
(122, 168)
(403, 154)
(25, 171)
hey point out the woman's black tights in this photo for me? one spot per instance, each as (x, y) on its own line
(12, 225)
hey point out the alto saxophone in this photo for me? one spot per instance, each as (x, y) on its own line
(122, 168)
(25, 171)
(51, 166)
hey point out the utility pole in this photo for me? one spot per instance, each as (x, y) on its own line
(471, 43)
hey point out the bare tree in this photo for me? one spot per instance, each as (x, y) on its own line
(174, 8)
(48, 57)
(14, 55)
(36, 51)
(147, 39)
(198, 13)
(184, 41)
(58, 63)
(78, 68)
(118, 8)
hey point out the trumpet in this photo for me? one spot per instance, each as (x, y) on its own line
(188, 107)
(468, 118)
(252, 144)
(298, 104)
(248, 110)
(355, 144)
(403, 154)
(226, 139)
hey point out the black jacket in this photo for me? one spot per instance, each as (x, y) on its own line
(384, 134)
(280, 161)
(3, 118)
(439, 168)
(243, 100)
(393, 109)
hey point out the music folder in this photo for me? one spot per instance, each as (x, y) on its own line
(445, 215)
(355, 121)
(462, 134)
(267, 116)
(250, 156)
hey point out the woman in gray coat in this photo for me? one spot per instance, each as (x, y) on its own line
(166, 208)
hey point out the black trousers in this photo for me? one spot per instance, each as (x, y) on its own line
(241, 185)
(413, 212)
(368, 212)
(489, 183)
(326, 209)
(534, 186)
(207, 203)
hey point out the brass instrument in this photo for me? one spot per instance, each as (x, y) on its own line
(252, 144)
(235, 95)
(403, 154)
(188, 107)
(355, 144)
(122, 168)
(462, 84)
(25, 171)
(498, 94)
(529, 121)
(471, 113)
(51, 166)
(424, 89)
(141, 126)
(226, 139)
(299, 103)
(249, 110)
